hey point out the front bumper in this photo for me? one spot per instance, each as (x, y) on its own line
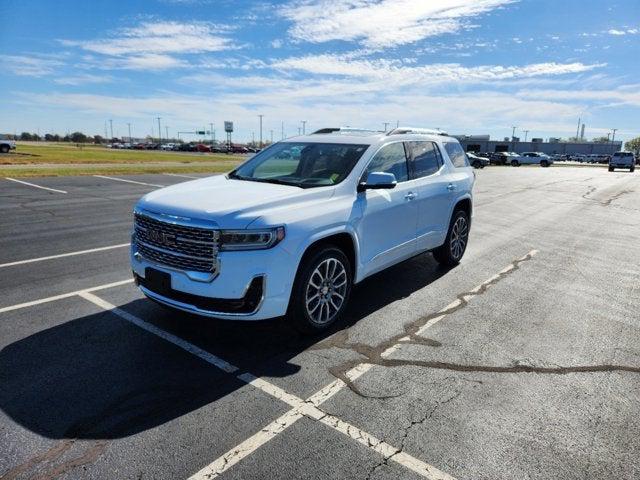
(250, 285)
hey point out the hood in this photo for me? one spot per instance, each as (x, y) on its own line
(228, 203)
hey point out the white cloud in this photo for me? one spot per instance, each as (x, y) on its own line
(29, 66)
(83, 79)
(623, 31)
(382, 23)
(397, 72)
(159, 38)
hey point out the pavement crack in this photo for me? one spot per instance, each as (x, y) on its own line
(410, 334)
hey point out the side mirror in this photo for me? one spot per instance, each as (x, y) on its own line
(377, 181)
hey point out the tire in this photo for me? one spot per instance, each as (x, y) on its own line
(321, 290)
(611, 169)
(632, 169)
(477, 164)
(514, 163)
(544, 163)
(451, 252)
(4, 148)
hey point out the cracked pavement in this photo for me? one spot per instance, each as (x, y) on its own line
(511, 366)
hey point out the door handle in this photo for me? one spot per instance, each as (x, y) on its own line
(410, 196)
(451, 187)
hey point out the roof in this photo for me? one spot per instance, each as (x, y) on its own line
(367, 137)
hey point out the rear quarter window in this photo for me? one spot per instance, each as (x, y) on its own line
(456, 154)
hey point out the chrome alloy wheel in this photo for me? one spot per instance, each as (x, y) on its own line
(326, 291)
(459, 236)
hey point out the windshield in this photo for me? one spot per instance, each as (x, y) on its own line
(302, 165)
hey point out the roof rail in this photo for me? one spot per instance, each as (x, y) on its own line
(424, 131)
(344, 130)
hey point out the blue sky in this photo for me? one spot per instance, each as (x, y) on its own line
(466, 66)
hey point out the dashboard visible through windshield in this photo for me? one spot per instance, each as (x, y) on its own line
(303, 164)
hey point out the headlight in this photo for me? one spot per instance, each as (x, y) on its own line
(250, 239)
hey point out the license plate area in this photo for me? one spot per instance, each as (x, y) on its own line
(157, 281)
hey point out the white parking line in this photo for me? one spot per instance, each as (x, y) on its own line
(62, 255)
(34, 185)
(300, 407)
(129, 181)
(64, 295)
(182, 176)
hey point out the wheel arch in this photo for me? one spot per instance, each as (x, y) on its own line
(343, 239)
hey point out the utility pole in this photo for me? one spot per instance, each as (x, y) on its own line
(129, 125)
(299, 130)
(578, 129)
(526, 132)
(261, 115)
(166, 129)
(613, 139)
(304, 127)
(282, 130)
(111, 125)
(386, 124)
(271, 136)
(513, 133)
(105, 130)
(253, 138)
(213, 134)
(159, 131)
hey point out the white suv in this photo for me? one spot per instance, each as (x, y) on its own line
(289, 231)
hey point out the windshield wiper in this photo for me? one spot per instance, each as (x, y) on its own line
(277, 181)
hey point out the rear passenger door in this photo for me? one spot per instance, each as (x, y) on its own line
(427, 169)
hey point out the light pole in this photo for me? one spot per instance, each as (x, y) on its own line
(129, 126)
(261, 115)
(513, 133)
(386, 124)
(271, 136)
(166, 129)
(111, 126)
(282, 129)
(304, 127)
(526, 132)
(213, 134)
(159, 131)
(613, 138)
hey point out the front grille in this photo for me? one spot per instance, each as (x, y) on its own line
(178, 246)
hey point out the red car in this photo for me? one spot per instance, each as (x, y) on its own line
(201, 147)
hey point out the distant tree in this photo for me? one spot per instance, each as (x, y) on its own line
(26, 136)
(601, 139)
(78, 137)
(66, 138)
(48, 137)
(97, 139)
(633, 145)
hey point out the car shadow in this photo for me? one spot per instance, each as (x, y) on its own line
(98, 377)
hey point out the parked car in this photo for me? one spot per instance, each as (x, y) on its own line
(265, 241)
(202, 148)
(622, 160)
(7, 145)
(167, 146)
(532, 158)
(502, 158)
(476, 161)
(578, 157)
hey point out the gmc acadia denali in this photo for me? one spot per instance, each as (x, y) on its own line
(292, 229)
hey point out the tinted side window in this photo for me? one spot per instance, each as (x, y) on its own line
(425, 158)
(390, 159)
(456, 154)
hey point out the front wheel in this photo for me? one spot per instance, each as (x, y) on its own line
(544, 163)
(632, 169)
(4, 148)
(450, 253)
(477, 164)
(321, 290)
(611, 169)
(514, 163)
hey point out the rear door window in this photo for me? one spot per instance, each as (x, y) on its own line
(425, 158)
(390, 159)
(456, 154)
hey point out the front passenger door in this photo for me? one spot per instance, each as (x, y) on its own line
(387, 230)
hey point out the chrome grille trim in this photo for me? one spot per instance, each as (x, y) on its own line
(176, 245)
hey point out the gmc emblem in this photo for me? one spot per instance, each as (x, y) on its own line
(161, 238)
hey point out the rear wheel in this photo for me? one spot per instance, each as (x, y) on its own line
(514, 163)
(450, 253)
(477, 164)
(611, 169)
(544, 163)
(321, 290)
(4, 148)
(632, 169)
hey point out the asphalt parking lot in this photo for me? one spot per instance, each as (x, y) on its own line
(522, 362)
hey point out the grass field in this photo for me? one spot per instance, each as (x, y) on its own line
(51, 159)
